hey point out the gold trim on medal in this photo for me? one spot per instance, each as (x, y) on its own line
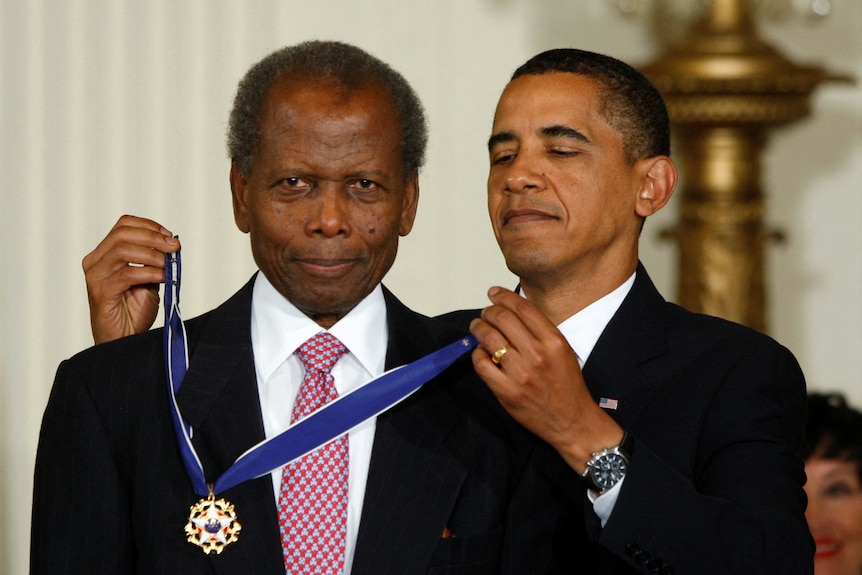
(212, 524)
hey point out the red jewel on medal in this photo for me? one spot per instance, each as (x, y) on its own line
(212, 524)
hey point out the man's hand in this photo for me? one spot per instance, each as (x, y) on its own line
(123, 275)
(538, 379)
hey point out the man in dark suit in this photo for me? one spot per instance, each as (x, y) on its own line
(685, 425)
(326, 143)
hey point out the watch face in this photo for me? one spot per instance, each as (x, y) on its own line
(608, 470)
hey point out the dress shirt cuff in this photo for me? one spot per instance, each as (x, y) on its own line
(603, 504)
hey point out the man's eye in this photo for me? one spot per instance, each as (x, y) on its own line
(292, 182)
(502, 158)
(563, 152)
(365, 185)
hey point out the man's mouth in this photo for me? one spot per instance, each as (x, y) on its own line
(526, 215)
(326, 267)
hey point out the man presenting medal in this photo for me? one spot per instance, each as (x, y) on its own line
(326, 143)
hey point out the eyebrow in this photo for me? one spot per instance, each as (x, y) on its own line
(559, 131)
(556, 131)
(500, 138)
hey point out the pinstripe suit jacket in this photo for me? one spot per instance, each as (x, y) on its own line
(111, 494)
(716, 412)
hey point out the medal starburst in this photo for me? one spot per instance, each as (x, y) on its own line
(212, 525)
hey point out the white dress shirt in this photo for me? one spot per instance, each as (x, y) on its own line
(278, 328)
(582, 331)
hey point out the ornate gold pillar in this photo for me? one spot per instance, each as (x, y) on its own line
(725, 89)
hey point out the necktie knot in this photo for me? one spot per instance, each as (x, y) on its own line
(321, 352)
(318, 355)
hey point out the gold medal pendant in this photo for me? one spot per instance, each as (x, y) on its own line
(212, 524)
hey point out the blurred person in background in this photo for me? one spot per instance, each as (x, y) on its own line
(833, 463)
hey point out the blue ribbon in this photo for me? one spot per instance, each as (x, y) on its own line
(319, 428)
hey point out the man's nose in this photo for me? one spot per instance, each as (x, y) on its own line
(525, 175)
(332, 211)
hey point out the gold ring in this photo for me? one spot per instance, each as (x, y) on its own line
(498, 355)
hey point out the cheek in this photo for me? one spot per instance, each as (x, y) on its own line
(495, 202)
(495, 213)
(379, 225)
(373, 226)
(846, 520)
(496, 176)
(854, 524)
(277, 230)
(377, 230)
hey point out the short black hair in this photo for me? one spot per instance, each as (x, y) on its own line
(833, 429)
(630, 103)
(350, 68)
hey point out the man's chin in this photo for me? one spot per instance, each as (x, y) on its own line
(326, 306)
(526, 263)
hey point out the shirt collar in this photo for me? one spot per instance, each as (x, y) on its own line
(583, 329)
(278, 328)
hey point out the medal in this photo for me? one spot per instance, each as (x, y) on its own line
(212, 524)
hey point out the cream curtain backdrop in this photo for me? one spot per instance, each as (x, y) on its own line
(113, 107)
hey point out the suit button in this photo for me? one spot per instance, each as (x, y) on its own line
(632, 548)
(654, 565)
(666, 570)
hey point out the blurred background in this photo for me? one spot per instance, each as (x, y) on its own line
(111, 107)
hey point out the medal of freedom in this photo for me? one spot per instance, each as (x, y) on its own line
(212, 524)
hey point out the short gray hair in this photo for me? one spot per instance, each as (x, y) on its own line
(347, 65)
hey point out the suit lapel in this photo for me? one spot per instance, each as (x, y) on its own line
(634, 336)
(412, 486)
(219, 399)
(219, 393)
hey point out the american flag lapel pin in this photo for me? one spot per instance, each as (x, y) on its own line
(608, 403)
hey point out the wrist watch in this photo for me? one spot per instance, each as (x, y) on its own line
(608, 467)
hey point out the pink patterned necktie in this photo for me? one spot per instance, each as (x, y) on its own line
(312, 505)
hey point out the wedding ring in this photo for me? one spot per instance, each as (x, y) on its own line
(498, 355)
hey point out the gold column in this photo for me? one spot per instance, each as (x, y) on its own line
(725, 89)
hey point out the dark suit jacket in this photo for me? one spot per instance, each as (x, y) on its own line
(111, 494)
(716, 411)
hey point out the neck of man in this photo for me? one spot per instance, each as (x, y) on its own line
(324, 320)
(560, 296)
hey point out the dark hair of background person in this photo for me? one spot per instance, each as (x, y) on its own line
(833, 430)
(350, 68)
(630, 103)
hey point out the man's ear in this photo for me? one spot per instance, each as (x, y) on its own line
(410, 204)
(239, 193)
(658, 181)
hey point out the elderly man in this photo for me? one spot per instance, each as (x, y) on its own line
(326, 143)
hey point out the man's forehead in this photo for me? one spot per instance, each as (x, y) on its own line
(328, 138)
(553, 105)
(303, 105)
(555, 92)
